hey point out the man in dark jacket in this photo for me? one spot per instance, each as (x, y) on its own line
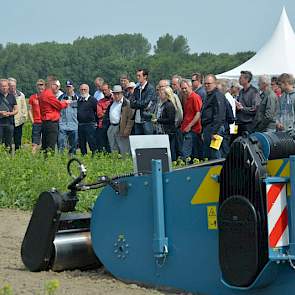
(265, 119)
(8, 108)
(213, 117)
(144, 103)
(86, 114)
(247, 104)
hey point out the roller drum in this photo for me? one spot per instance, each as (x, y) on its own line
(281, 145)
(73, 250)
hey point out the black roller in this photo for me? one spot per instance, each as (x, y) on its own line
(37, 245)
(56, 239)
(282, 145)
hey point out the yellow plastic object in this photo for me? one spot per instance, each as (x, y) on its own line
(216, 142)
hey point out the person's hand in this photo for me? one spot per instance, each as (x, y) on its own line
(154, 120)
(5, 114)
(279, 126)
(214, 136)
(239, 105)
(187, 128)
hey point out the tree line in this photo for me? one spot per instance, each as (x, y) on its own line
(109, 56)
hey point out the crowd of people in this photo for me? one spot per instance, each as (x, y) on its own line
(201, 115)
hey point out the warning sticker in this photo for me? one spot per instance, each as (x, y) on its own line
(212, 217)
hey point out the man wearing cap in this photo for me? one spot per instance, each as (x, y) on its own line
(56, 89)
(130, 90)
(235, 89)
(35, 115)
(120, 117)
(68, 122)
(50, 108)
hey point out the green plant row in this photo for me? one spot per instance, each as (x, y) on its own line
(24, 176)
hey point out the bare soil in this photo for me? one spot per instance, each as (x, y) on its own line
(13, 224)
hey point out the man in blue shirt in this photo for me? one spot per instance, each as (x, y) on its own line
(68, 122)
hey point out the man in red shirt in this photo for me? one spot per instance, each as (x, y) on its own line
(50, 108)
(35, 115)
(191, 125)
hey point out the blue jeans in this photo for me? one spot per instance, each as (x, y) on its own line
(86, 134)
(68, 138)
(145, 128)
(210, 153)
(192, 145)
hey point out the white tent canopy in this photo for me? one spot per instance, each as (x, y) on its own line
(275, 57)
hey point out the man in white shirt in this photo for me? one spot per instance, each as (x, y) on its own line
(121, 121)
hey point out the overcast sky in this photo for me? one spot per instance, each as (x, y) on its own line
(209, 25)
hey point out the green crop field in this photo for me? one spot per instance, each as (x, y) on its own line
(24, 176)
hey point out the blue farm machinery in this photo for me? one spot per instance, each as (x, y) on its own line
(219, 227)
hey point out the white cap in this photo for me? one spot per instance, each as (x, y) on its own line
(131, 85)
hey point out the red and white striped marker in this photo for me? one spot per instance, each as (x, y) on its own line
(277, 215)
